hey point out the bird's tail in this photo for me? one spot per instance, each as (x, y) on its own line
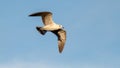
(41, 31)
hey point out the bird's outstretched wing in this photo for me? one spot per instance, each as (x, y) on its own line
(46, 17)
(61, 34)
(41, 31)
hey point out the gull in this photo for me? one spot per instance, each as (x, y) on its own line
(50, 25)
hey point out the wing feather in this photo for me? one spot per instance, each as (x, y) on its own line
(61, 34)
(46, 17)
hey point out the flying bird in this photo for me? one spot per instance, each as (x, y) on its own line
(50, 25)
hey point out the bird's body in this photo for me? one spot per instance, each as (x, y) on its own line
(50, 25)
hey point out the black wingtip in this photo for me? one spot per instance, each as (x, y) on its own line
(41, 31)
(40, 13)
(33, 15)
(30, 15)
(60, 52)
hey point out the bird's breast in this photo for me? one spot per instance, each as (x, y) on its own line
(51, 27)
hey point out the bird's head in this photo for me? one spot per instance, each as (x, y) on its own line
(60, 26)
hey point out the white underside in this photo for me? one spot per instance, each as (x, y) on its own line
(51, 27)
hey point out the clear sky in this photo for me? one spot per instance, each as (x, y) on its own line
(93, 34)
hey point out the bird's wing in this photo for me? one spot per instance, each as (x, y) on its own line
(61, 34)
(46, 17)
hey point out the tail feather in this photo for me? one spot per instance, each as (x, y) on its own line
(41, 31)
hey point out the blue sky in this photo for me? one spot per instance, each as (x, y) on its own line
(93, 34)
